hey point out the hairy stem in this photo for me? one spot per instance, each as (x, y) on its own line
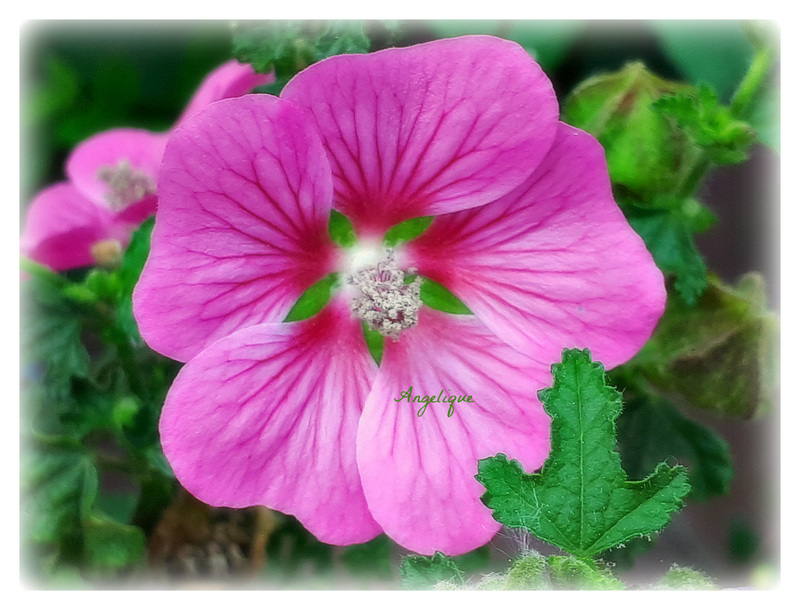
(751, 83)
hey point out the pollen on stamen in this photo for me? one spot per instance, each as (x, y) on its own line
(385, 302)
(127, 185)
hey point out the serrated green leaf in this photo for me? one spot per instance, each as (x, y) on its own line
(651, 428)
(339, 37)
(438, 297)
(709, 124)
(59, 487)
(420, 572)
(670, 242)
(55, 340)
(50, 332)
(287, 47)
(313, 299)
(110, 546)
(406, 231)
(581, 501)
(721, 354)
(268, 46)
(341, 230)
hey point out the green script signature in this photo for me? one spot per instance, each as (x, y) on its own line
(426, 400)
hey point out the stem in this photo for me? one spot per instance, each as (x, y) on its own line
(128, 362)
(751, 83)
(694, 173)
(740, 102)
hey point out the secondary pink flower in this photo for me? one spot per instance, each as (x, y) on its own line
(297, 416)
(111, 185)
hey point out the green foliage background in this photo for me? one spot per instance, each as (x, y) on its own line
(95, 484)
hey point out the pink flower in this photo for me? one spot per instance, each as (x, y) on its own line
(111, 185)
(297, 416)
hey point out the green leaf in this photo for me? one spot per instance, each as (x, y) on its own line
(290, 46)
(51, 330)
(721, 354)
(669, 240)
(406, 231)
(438, 297)
(339, 37)
(59, 487)
(55, 340)
(709, 124)
(341, 230)
(86, 409)
(313, 299)
(651, 428)
(110, 546)
(581, 501)
(130, 269)
(420, 572)
(278, 46)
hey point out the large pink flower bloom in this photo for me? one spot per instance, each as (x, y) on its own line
(111, 186)
(297, 416)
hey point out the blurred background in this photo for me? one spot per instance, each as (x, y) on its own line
(82, 78)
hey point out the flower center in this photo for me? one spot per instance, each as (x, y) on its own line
(385, 301)
(127, 185)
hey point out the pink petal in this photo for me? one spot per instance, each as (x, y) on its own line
(136, 213)
(242, 225)
(268, 416)
(140, 148)
(552, 265)
(231, 79)
(433, 128)
(61, 226)
(418, 472)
